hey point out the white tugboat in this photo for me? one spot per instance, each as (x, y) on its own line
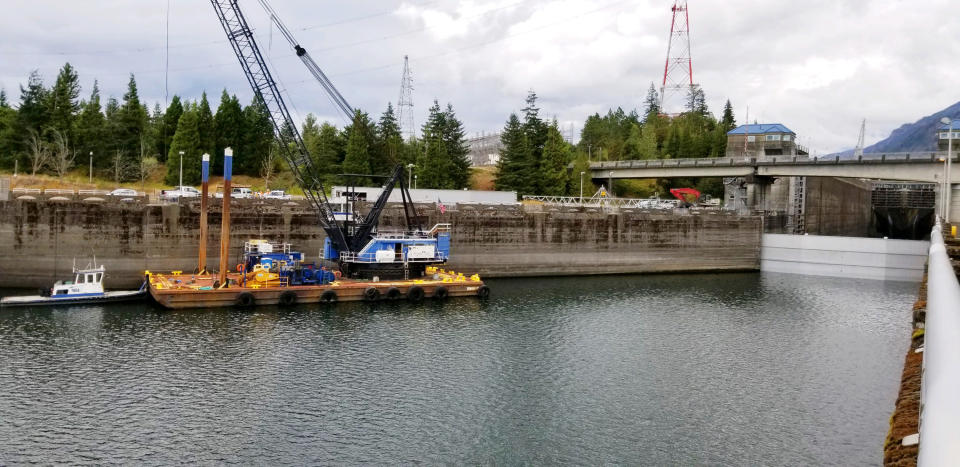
(86, 287)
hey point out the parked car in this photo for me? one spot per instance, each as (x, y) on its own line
(180, 192)
(123, 192)
(277, 194)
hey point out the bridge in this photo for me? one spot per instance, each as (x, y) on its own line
(915, 167)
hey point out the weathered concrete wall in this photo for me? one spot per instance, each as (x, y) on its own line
(838, 206)
(42, 238)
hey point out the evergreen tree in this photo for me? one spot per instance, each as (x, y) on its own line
(696, 100)
(168, 127)
(33, 113)
(3, 99)
(389, 140)
(228, 125)
(91, 130)
(9, 141)
(728, 122)
(328, 151)
(257, 138)
(186, 139)
(357, 158)
(62, 102)
(131, 122)
(513, 168)
(435, 164)
(534, 128)
(553, 167)
(458, 151)
(206, 127)
(651, 104)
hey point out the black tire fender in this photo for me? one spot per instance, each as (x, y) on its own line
(483, 292)
(441, 293)
(328, 296)
(393, 293)
(246, 299)
(415, 293)
(288, 298)
(371, 294)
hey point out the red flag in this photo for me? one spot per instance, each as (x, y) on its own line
(440, 206)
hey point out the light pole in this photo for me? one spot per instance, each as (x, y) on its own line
(943, 189)
(610, 188)
(581, 187)
(946, 179)
(91, 166)
(181, 171)
(409, 173)
(414, 182)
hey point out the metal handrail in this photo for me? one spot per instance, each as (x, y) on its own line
(940, 387)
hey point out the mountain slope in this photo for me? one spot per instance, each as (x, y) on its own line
(917, 136)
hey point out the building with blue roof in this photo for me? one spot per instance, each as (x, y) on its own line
(944, 134)
(762, 139)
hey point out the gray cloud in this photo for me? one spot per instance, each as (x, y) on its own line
(817, 66)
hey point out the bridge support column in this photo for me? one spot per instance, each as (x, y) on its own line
(955, 204)
(768, 193)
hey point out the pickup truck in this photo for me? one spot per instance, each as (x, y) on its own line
(179, 192)
(277, 194)
(237, 193)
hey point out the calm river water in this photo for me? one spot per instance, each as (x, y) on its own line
(734, 369)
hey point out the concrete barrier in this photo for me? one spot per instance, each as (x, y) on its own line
(864, 258)
(940, 389)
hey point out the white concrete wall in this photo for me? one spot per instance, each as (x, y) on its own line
(865, 258)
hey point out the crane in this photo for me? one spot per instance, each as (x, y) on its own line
(348, 235)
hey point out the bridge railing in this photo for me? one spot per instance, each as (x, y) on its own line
(891, 157)
(940, 387)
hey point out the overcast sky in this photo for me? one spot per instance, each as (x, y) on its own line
(817, 66)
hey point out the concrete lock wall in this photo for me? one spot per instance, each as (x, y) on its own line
(43, 238)
(866, 258)
(837, 206)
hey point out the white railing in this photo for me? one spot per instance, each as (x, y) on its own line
(940, 388)
(32, 191)
(741, 161)
(594, 202)
(93, 192)
(58, 191)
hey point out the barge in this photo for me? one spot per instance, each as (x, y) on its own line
(177, 290)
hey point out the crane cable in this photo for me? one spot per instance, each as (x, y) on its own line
(332, 92)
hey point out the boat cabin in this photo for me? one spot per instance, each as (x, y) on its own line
(87, 282)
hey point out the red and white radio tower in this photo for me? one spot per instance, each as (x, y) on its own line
(678, 70)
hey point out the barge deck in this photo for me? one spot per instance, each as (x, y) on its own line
(177, 290)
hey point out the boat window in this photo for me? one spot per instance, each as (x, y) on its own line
(99, 276)
(89, 278)
(79, 279)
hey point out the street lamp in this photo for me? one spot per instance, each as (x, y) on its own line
(947, 178)
(581, 187)
(91, 166)
(181, 171)
(414, 182)
(409, 173)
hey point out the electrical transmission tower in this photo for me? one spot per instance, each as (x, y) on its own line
(678, 69)
(405, 104)
(859, 150)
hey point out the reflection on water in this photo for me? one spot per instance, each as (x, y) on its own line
(720, 369)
